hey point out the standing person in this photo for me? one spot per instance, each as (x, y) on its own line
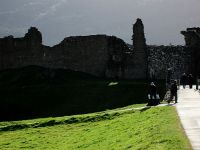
(190, 80)
(184, 80)
(173, 91)
(168, 78)
(152, 94)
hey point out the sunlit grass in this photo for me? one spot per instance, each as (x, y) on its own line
(155, 128)
(51, 121)
(113, 83)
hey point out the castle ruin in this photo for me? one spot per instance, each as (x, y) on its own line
(140, 50)
(100, 55)
(192, 39)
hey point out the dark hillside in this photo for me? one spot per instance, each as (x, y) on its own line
(33, 91)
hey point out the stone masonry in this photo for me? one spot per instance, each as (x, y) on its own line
(101, 55)
(140, 50)
(163, 57)
(192, 39)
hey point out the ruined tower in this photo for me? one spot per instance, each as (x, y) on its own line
(192, 41)
(140, 50)
(33, 37)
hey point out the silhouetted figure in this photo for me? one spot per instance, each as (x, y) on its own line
(197, 83)
(190, 80)
(152, 95)
(173, 91)
(168, 78)
(184, 80)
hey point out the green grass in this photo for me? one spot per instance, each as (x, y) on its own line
(50, 121)
(155, 128)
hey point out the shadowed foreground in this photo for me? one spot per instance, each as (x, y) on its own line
(33, 92)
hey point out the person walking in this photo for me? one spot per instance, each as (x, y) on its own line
(190, 80)
(184, 80)
(173, 91)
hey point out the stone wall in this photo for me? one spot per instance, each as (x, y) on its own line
(140, 51)
(192, 37)
(99, 55)
(163, 57)
(192, 40)
(17, 52)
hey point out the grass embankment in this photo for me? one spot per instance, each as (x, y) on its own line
(155, 128)
(33, 92)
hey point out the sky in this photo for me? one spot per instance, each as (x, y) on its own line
(56, 19)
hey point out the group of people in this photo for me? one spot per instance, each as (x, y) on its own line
(187, 80)
(154, 98)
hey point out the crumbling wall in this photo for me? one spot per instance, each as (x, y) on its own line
(140, 51)
(192, 37)
(18, 52)
(192, 40)
(99, 55)
(163, 57)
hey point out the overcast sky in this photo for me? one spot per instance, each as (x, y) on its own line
(163, 19)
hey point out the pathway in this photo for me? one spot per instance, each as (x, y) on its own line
(188, 108)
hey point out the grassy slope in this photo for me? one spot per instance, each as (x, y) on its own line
(33, 92)
(155, 128)
(50, 121)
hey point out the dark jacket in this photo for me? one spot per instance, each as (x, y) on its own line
(173, 88)
(152, 90)
(190, 79)
(184, 79)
